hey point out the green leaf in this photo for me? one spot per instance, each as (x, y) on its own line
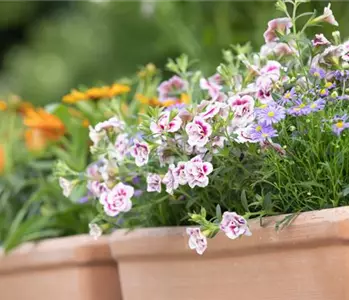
(244, 201)
(218, 212)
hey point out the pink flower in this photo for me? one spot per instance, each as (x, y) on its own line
(277, 26)
(179, 172)
(172, 88)
(277, 49)
(209, 109)
(197, 240)
(234, 225)
(117, 200)
(198, 132)
(154, 183)
(92, 171)
(345, 54)
(211, 86)
(271, 70)
(196, 172)
(113, 122)
(320, 40)
(120, 147)
(97, 188)
(140, 151)
(264, 85)
(241, 106)
(164, 124)
(170, 180)
(327, 16)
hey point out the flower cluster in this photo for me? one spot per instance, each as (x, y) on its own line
(255, 106)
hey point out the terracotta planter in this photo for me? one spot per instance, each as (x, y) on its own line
(309, 260)
(78, 268)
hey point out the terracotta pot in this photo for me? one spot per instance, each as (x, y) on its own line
(309, 260)
(78, 268)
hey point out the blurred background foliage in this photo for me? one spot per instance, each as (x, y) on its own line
(47, 48)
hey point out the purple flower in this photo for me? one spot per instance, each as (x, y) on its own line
(317, 105)
(318, 73)
(83, 199)
(288, 96)
(270, 114)
(261, 132)
(300, 109)
(341, 75)
(136, 180)
(340, 123)
(344, 97)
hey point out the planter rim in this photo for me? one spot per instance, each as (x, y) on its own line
(309, 229)
(57, 252)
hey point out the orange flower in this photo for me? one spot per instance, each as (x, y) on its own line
(147, 100)
(85, 123)
(43, 127)
(2, 159)
(3, 105)
(96, 93)
(74, 97)
(24, 106)
(118, 89)
(185, 98)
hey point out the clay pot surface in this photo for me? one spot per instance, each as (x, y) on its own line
(308, 260)
(77, 268)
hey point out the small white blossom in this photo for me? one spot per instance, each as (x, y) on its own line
(140, 151)
(154, 183)
(234, 225)
(197, 241)
(66, 185)
(95, 230)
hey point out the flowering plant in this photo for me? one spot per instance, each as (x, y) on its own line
(268, 138)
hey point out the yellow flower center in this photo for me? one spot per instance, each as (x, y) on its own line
(328, 85)
(271, 114)
(340, 124)
(316, 74)
(323, 92)
(288, 95)
(264, 135)
(259, 128)
(313, 105)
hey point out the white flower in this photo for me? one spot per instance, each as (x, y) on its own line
(170, 180)
(120, 148)
(243, 109)
(198, 132)
(197, 240)
(328, 16)
(180, 173)
(164, 124)
(209, 109)
(140, 151)
(66, 185)
(96, 136)
(113, 122)
(242, 134)
(196, 172)
(117, 200)
(154, 183)
(95, 230)
(97, 188)
(234, 225)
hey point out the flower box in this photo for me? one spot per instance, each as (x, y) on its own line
(78, 268)
(307, 260)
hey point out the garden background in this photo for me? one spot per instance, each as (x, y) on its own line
(47, 48)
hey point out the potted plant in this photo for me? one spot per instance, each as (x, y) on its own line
(268, 142)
